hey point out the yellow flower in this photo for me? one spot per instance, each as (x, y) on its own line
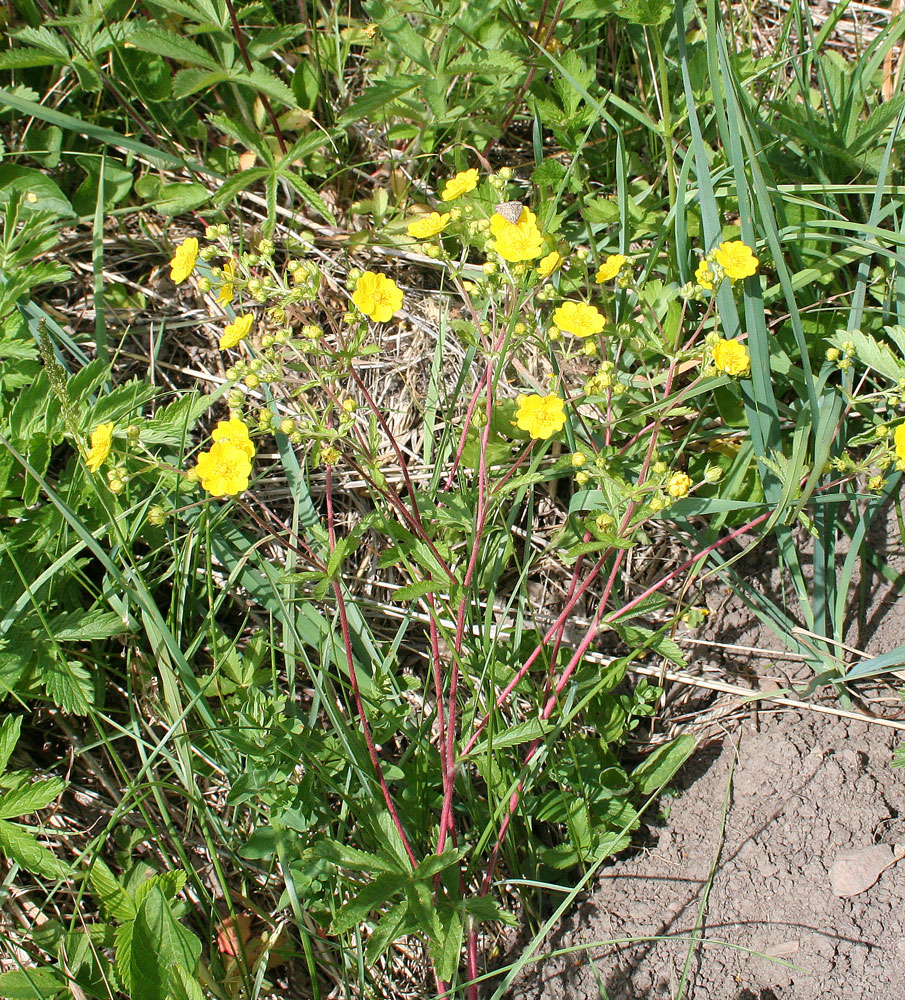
(579, 319)
(547, 265)
(183, 262)
(377, 296)
(610, 267)
(236, 331)
(899, 439)
(704, 276)
(227, 289)
(101, 442)
(540, 416)
(731, 357)
(462, 183)
(517, 241)
(234, 432)
(428, 226)
(736, 259)
(678, 485)
(224, 470)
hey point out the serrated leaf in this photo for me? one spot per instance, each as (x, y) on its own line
(390, 927)
(172, 423)
(376, 98)
(267, 82)
(159, 943)
(114, 899)
(168, 883)
(172, 46)
(352, 858)
(872, 353)
(46, 39)
(447, 955)
(183, 985)
(521, 732)
(374, 895)
(21, 846)
(26, 59)
(308, 194)
(9, 737)
(244, 179)
(487, 62)
(31, 984)
(189, 81)
(124, 403)
(84, 626)
(29, 798)
(243, 135)
(660, 766)
(122, 942)
(412, 591)
(68, 684)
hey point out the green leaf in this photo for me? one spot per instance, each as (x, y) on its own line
(94, 624)
(158, 943)
(657, 769)
(190, 81)
(9, 737)
(28, 798)
(346, 856)
(176, 199)
(68, 684)
(872, 353)
(31, 984)
(413, 591)
(172, 46)
(183, 985)
(521, 732)
(486, 62)
(435, 863)
(122, 942)
(647, 12)
(308, 194)
(267, 82)
(172, 423)
(169, 883)
(26, 181)
(114, 899)
(376, 98)
(447, 955)
(21, 846)
(374, 895)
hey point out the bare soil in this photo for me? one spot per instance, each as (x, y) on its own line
(733, 876)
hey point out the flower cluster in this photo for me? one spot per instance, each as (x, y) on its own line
(733, 260)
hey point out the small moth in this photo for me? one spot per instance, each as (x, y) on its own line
(510, 210)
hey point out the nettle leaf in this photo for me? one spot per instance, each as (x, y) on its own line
(28, 798)
(159, 942)
(113, 898)
(68, 685)
(21, 846)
